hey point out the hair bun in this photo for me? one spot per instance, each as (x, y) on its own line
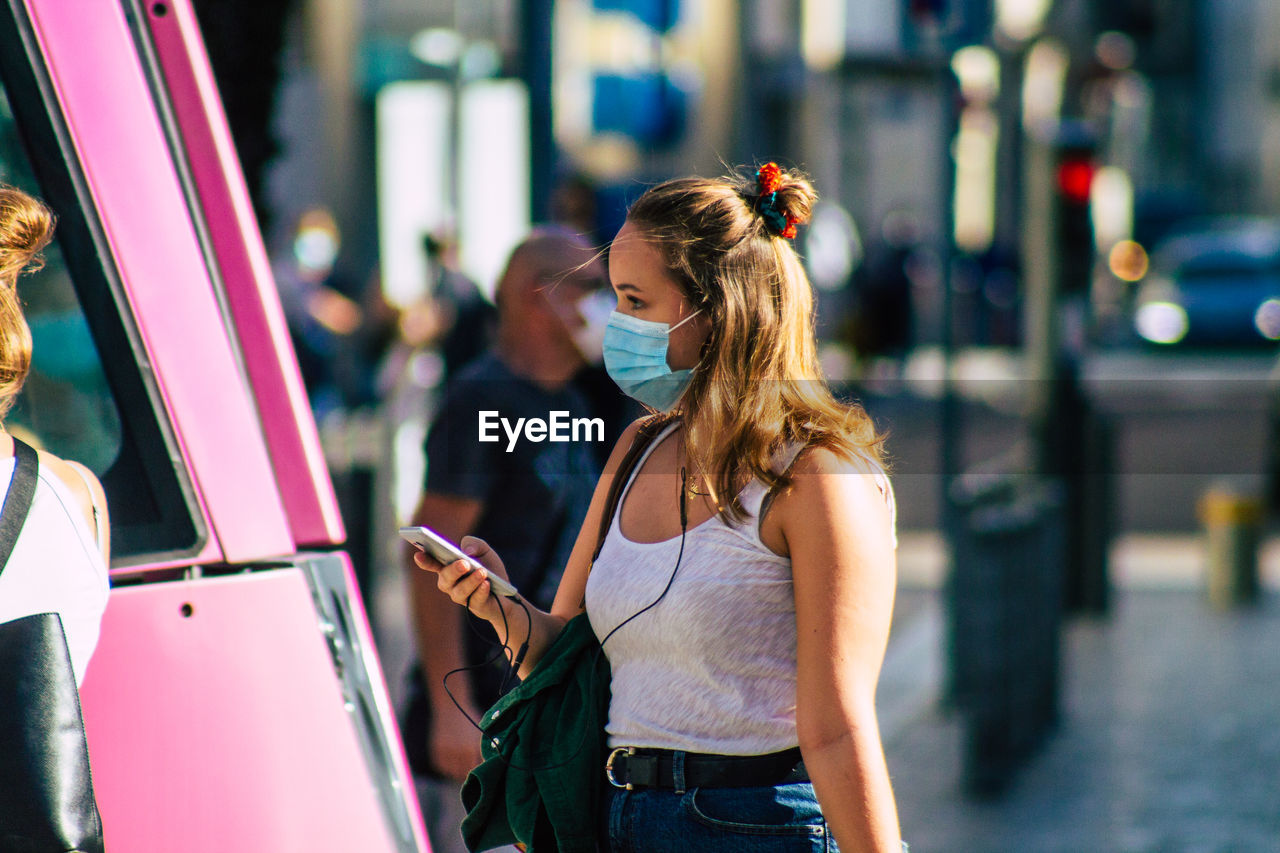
(26, 227)
(784, 199)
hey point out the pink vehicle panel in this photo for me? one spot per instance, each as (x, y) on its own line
(290, 431)
(112, 123)
(236, 700)
(244, 742)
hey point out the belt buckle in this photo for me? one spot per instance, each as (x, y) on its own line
(608, 766)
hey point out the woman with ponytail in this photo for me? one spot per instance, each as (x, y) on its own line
(741, 575)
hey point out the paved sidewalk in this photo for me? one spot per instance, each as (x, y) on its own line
(1170, 734)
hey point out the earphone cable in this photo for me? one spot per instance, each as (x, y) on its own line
(595, 723)
(500, 650)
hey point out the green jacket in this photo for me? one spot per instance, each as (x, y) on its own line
(543, 751)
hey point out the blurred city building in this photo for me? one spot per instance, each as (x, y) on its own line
(407, 117)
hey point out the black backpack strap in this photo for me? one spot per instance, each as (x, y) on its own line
(17, 501)
(648, 430)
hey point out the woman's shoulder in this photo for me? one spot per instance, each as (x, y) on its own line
(80, 482)
(822, 473)
(76, 475)
(824, 459)
(845, 483)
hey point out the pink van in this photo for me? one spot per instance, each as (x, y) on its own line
(235, 701)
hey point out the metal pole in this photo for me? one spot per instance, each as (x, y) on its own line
(536, 26)
(1040, 264)
(951, 413)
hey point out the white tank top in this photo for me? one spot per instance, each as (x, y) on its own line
(712, 668)
(56, 566)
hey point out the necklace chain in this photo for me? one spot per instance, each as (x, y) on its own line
(693, 491)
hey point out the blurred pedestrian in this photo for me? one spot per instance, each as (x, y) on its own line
(59, 562)
(467, 319)
(749, 571)
(341, 327)
(882, 320)
(323, 319)
(574, 205)
(529, 494)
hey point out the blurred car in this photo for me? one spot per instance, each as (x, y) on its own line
(1216, 284)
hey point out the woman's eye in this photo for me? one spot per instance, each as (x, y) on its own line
(635, 303)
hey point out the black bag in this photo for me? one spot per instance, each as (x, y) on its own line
(46, 792)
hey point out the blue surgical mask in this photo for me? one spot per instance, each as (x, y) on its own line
(635, 356)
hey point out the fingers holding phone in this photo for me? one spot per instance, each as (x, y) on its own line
(479, 550)
(444, 552)
(471, 587)
(470, 575)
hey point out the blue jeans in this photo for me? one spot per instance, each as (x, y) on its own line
(776, 819)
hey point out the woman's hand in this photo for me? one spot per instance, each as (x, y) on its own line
(466, 583)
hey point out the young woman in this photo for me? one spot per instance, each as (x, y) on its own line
(759, 519)
(59, 562)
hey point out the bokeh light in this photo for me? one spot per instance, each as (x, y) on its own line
(1267, 319)
(1128, 260)
(1161, 322)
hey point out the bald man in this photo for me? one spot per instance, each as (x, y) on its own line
(493, 472)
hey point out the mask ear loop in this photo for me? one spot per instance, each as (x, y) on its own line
(671, 329)
(701, 353)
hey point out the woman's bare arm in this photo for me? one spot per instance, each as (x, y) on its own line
(838, 531)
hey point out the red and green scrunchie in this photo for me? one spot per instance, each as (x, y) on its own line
(768, 180)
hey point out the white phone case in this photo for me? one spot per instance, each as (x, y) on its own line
(444, 551)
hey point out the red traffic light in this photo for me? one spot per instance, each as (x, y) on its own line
(1075, 177)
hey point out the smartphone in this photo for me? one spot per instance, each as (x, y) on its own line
(442, 550)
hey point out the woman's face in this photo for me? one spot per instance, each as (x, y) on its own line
(646, 291)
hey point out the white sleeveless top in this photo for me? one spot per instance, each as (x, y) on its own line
(56, 566)
(711, 668)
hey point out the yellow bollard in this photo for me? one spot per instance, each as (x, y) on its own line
(1232, 525)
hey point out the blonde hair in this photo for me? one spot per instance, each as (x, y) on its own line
(758, 385)
(26, 227)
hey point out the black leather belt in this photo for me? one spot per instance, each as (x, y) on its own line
(629, 767)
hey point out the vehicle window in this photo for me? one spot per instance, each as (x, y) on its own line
(65, 406)
(87, 397)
